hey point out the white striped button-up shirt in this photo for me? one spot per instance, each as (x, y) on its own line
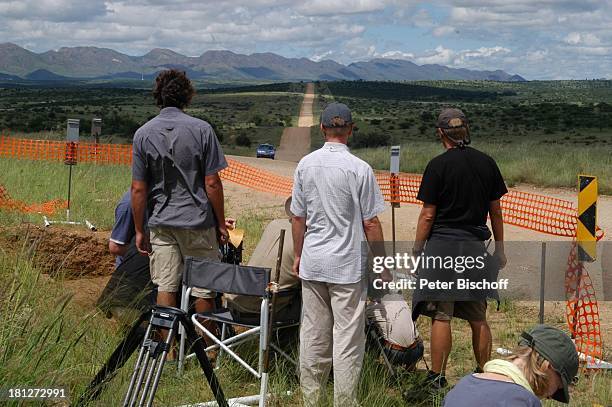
(335, 191)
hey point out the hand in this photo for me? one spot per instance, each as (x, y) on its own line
(500, 255)
(222, 235)
(142, 244)
(296, 266)
(230, 223)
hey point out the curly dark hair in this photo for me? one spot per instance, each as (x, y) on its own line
(173, 89)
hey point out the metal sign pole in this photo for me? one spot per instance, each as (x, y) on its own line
(70, 159)
(69, 191)
(394, 162)
(96, 130)
(542, 281)
(72, 138)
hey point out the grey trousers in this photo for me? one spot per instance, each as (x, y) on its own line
(332, 332)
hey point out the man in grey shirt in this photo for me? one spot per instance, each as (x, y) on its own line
(335, 205)
(176, 160)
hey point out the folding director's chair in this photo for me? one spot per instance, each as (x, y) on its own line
(240, 280)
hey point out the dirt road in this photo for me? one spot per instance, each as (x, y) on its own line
(295, 141)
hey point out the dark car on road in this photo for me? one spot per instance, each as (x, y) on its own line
(266, 151)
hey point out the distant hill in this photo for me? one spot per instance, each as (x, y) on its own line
(44, 75)
(104, 63)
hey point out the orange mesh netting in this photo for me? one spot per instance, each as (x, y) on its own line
(46, 208)
(249, 176)
(531, 211)
(540, 213)
(582, 311)
(53, 150)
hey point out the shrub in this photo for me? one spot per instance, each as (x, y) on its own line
(243, 140)
(366, 140)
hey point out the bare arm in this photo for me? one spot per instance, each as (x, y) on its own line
(374, 233)
(298, 230)
(117, 249)
(139, 205)
(214, 191)
(424, 225)
(497, 224)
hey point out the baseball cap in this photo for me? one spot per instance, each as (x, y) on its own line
(450, 118)
(336, 110)
(556, 347)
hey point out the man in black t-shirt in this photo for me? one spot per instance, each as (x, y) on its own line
(459, 189)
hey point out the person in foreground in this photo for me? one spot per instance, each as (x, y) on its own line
(543, 366)
(335, 203)
(175, 166)
(247, 308)
(129, 291)
(459, 189)
(391, 317)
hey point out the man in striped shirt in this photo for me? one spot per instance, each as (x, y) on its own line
(335, 205)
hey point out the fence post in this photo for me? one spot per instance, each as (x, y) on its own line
(542, 281)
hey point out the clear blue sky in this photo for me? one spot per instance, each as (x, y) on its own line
(548, 39)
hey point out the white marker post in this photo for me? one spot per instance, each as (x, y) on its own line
(72, 139)
(70, 159)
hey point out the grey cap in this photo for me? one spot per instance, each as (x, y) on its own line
(451, 118)
(336, 115)
(556, 347)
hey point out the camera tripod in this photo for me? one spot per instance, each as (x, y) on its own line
(149, 365)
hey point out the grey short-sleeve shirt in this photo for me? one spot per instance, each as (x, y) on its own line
(335, 191)
(173, 152)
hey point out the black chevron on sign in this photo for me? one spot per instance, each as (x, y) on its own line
(583, 255)
(585, 182)
(588, 218)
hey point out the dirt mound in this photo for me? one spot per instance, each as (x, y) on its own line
(70, 252)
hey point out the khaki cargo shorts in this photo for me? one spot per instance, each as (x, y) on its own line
(170, 246)
(446, 310)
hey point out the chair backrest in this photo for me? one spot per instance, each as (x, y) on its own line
(226, 278)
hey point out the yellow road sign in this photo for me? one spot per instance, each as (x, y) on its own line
(587, 218)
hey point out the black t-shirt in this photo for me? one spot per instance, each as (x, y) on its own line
(461, 183)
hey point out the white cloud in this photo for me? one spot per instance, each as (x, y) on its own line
(588, 39)
(397, 55)
(440, 56)
(336, 7)
(321, 57)
(535, 38)
(443, 30)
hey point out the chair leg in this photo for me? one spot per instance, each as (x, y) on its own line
(182, 333)
(220, 353)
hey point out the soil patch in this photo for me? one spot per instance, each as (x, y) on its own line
(60, 251)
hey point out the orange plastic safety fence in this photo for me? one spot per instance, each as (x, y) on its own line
(249, 176)
(53, 150)
(531, 211)
(582, 310)
(45, 208)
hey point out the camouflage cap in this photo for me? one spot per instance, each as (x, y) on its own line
(451, 118)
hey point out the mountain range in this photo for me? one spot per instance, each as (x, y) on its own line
(103, 63)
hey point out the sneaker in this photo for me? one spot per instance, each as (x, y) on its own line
(433, 385)
(436, 380)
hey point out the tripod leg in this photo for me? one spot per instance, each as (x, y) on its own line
(200, 352)
(117, 359)
(158, 372)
